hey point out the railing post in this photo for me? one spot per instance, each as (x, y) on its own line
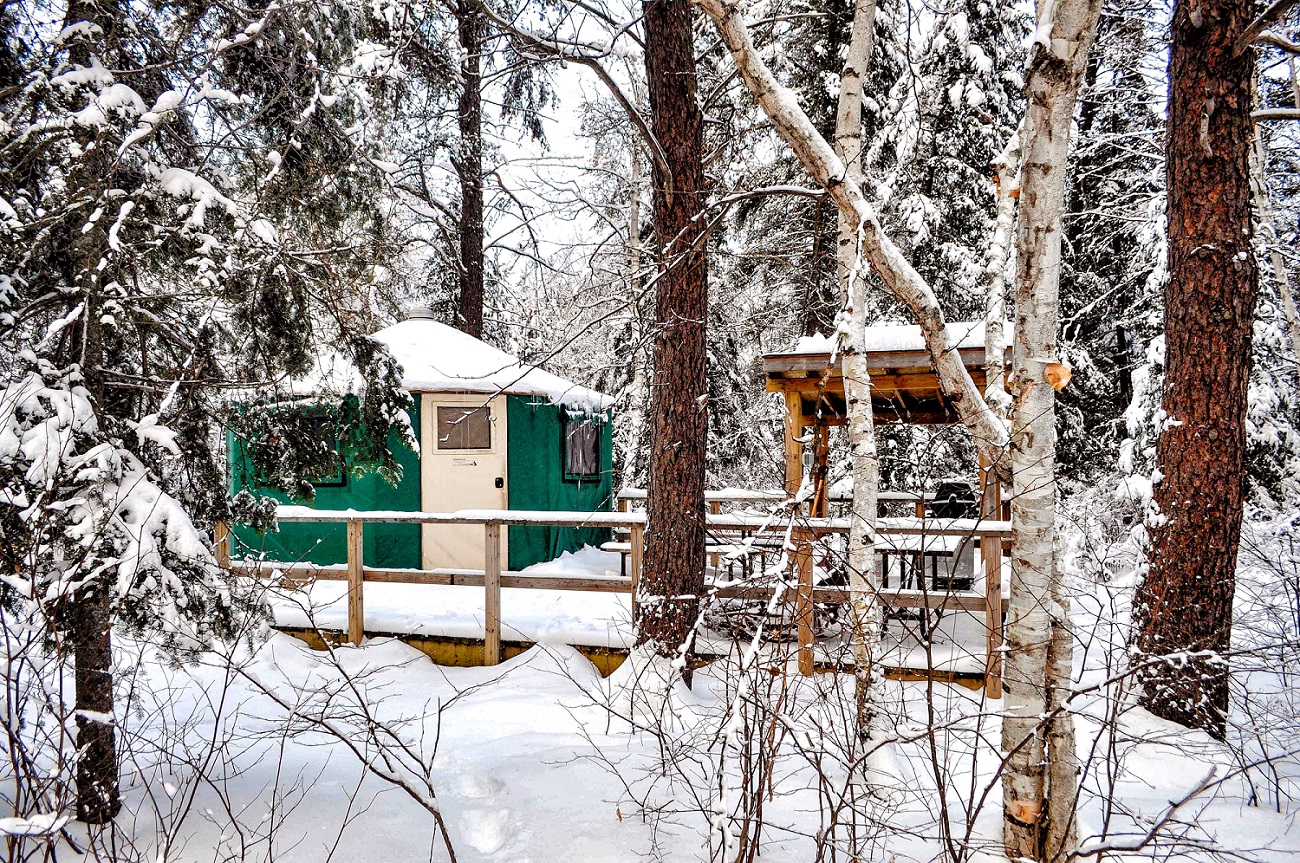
(492, 593)
(991, 555)
(356, 582)
(637, 541)
(221, 544)
(803, 600)
(715, 507)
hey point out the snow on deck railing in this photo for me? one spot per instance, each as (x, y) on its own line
(894, 536)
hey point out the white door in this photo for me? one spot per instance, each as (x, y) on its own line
(462, 466)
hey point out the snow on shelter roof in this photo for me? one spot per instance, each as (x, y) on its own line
(888, 338)
(437, 358)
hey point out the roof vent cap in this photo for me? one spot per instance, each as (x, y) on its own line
(420, 313)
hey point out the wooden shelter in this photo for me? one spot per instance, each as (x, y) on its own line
(904, 389)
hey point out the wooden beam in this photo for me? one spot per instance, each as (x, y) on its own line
(221, 544)
(922, 384)
(491, 593)
(356, 582)
(793, 449)
(991, 554)
(637, 540)
(803, 605)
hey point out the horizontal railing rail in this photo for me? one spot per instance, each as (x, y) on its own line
(798, 537)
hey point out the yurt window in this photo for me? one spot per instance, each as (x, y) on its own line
(581, 449)
(323, 430)
(465, 427)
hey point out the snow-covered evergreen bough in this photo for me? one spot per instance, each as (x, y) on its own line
(187, 207)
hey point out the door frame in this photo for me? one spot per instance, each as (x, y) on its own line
(429, 457)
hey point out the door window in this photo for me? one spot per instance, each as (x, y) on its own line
(464, 427)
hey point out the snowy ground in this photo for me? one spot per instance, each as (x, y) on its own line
(288, 754)
(525, 766)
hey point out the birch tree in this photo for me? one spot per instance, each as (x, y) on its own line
(886, 259)
(863, 583)
(1039, 779)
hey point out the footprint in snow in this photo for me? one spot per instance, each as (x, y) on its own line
(485, 830)
(477, 787)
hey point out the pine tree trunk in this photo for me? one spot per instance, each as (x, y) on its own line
(86, 617)
(469, 166)
(864, 586)
(673, 566)
(1184, 605)
(88, 623)
(1036, 653)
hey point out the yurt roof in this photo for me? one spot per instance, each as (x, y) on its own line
(436, 358)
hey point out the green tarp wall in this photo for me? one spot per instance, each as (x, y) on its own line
(535, 471)
(391, 546)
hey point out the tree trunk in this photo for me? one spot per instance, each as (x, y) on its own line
(469, 166)
(864, 586)
(89, 621)
(1184, 605)
(899, 277)
(1007, 166)
(633, 455)
(673, 566)
(1058, 60)
(86, 617)
(1268, 229)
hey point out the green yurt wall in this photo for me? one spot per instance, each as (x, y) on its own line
(385, 545)
(536, 471)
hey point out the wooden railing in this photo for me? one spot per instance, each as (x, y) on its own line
(801, 535)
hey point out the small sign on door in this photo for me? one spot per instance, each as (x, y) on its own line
(464, 462)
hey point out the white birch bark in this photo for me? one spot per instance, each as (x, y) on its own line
(1268, 228)
(637, 387)
(1007, 165)
(1066, 29)
(887, 260)
(864, 585)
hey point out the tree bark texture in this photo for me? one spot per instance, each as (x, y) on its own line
(1183, 608)
(89, 620)
(85, 617)
(901, 279)
(1037, 640)
(471, 25)
(673, 567)
(864, 586)
(1007, 166)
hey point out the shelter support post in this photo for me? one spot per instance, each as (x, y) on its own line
(990, 492)
(637, 541)
(492, 593)
(991, 554)
(821, 498)
(356, 582)
(793, 449)
(803, 600)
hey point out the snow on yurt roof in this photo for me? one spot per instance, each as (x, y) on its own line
(437, 358)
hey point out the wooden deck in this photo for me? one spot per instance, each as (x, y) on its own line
(798, 536)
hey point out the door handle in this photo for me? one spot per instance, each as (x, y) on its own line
(501, 482)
